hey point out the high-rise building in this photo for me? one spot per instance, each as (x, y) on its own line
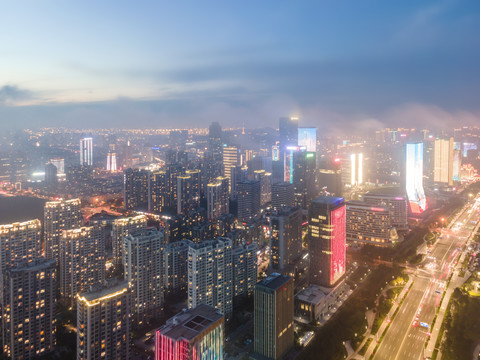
(275, 153)
(288, 131)
(215, 141)
(157, 191)
(265, 186)
(122, 228)
(285, 237)
(330, 176)
(194, 334)
(82, 261)
(397, 204)
(51, 180)
(135, 188)
(112, 161)
(217, 198)
(176, 261)
(59, 164)
(413, 177)
(283, 195)
(307, 136)
(244, 269)
(249, 195)
(231, 158)
(58, 216)
(239, 174)
(300, 170)
(273, 316)
(188, 191)
(29, 317)
(172, 172)
(443, 161)
(103, 324)
(352, 170)
(326, 233)
(144, 271)
(86, 151)
(210, 275)
(367, 224)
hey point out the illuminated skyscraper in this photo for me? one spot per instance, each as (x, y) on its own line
(111, 161)
(273, 317)
(352, 170)
(245, 274)
(443, 161)
(103, 324)
(122, 228)
(59, 164)
(194, 334)
(157, 191)
(307, 137)
(217, 198)
(413, 177)
(285, 237)
(144, 271)
(231, 158)
(188, 191)
(300, 170)
(326, 234)
(135, 188)
(283, 195)
(288, 131)
(58, 216)
(29, 318)
(82, 261)
(86, 151)
(265, 179)
(249, 197)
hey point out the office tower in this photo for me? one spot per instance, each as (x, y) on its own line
(288, 131)
(326, 234)
(122, 228)
(172, 172)
(277, 172)
(248, 193)
(194, 334)
(58, 216)
(157, 191)
(59, 164)
(239, 174)
(275, 153)
(211, 169)
(112, 161)
(443, 161)
(282, 195)
(367, 224)
(330, 176)
(352, 170)
(231, 159)
(244, 269)
(307, 137)
(82, 261)
(210, 275)
(103, 324)
(176, 270)
(29, 317)
(397, 204)
(285, 237)
(188, 192)
(135, 189)
(265, 179)
(300, 170)
(413, 178)
(215, 141)
(273, 316)
(217, 198)
(143, 269)
(86, 151)
(51, 180)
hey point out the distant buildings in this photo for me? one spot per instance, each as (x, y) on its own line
(103, 324)
(86, 151)
(273, 316)
(58, 216)
(326, 234)
(135, 188)
(196, 334)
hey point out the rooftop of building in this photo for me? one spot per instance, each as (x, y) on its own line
(328, 200)
(313, 294)
(274, 281)
(103, 291)
(190, 323)
(387, 191)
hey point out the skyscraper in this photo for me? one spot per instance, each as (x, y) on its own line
(282, 195)
(144, 271)
(120, 229)
(86, 151)
(176, 269)
(82, 261)
(58, 216)
(352, 170)
(249, 195)
(194, 334)
(51, 180)
(244, 260)
(29, 316)
(273, 316)
(231, 158)
(285, 237)
(326, 233)
(210, 275)
(308, 137)
(112, 161)
(135, 188)
(443, 161)
(288, 130)
(413, 177)
(300, 170)
(188, 191)
(217, 198)
(103, 324)
(265, 186)
(157, 191)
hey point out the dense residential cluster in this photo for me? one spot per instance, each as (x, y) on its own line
(206, 223)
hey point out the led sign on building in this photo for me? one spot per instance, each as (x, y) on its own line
(307, 137)
(337, 265)
(414, 178)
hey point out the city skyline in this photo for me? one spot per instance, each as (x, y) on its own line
(366, 65)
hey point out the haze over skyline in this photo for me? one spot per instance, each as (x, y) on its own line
(334, 64)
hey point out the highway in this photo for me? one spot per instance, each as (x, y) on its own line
(410, 329)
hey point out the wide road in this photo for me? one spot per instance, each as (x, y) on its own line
(408, 332)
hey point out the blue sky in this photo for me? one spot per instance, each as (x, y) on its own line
(184, 63)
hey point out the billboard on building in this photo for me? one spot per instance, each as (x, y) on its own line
(308, 137)
(414, 178)
(337, 246)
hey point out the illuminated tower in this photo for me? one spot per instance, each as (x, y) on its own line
(326, 232)
(307, 137)
(135, 188)
(231, 158)
(249, 195)
(194, 334)
(86, 151)
(111, 161)
(443, 161)
(58, 216)
(413, 177)
(188, 191)
(122, 228)
(217, 198)
(288, 131)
